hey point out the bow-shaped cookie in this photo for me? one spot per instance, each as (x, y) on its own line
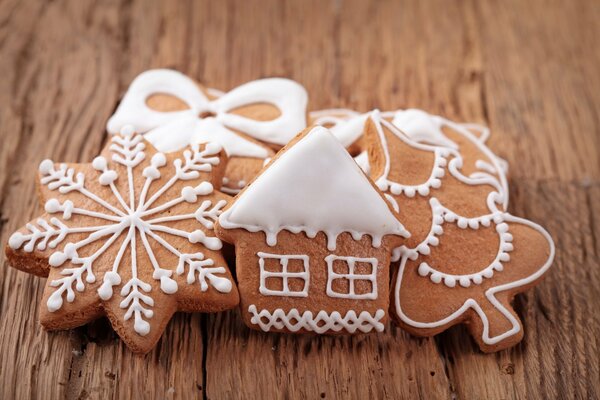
(212, 120)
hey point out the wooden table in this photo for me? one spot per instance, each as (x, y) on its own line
(529, 70)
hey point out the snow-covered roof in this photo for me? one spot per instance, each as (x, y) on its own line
(314, 186)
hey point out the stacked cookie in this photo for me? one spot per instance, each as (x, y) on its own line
(338, 219)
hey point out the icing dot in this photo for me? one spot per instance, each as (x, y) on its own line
(46, 166)
(99, 163)
(507, 247)
(16, 240)
(151, 172)
(189, 194)
(462, 223)
(105, 291)
(52, 206)
(423, 190)
(107, 177)
(436, 183)
(436, 277)
(204, 188)
(488, 273)
(57, 259)
(465, 282)
(382, 185)
(142, 327)
(196, 236)
(223, 285)
(504, 257)
(410, 192)
(477, 279)
(159, 160)
(449, 281)
(497, 266)
(168, 285)
(502, 228)
(54, 302)
(423, 269)
(396, 189)
(473, 224)
(424, 249)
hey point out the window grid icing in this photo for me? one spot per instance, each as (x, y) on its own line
(284, 275)
(351, 277)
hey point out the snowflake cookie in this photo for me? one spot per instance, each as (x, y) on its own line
(313, 238)
(129, 236)
(467, 257)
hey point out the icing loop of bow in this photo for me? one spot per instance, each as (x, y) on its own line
(172, 130)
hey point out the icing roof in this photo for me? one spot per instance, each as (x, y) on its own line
(314, 186)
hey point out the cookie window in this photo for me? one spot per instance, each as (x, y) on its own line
(351, 277)
(283, 275)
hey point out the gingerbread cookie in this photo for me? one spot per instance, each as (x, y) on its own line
(466, 138)
(129, 236)
(467, 257)
(313, 238)
(249, 122)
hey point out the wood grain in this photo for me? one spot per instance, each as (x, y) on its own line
(527, 69)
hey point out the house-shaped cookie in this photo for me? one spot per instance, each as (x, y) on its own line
(313, 238)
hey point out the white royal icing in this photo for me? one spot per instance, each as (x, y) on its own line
(314, 186)
(351, 277)
(293, 320)
(420, 127)
(283, 274)
(441, 215)
(134, 219)
(490, 293)
(498, 195)
(288, 96)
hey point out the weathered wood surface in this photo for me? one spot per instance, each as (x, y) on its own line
(527, 69)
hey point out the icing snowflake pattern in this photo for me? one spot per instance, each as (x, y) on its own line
(127, 221)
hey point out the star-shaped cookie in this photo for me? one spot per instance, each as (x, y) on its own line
(128, 236)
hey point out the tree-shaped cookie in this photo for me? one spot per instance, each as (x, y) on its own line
(467, 257)
(172, 111)
(313, 238)
(128, 236)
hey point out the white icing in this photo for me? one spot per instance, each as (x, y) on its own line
(284, 275)
(490, 293)
(350, 131)
(442, 215)
(465, 280)
(293, 320)
(363, 162)
(130, 221)
(351, 277)
(498, 195)
(422, 127)
(288, 96)
(314, 186)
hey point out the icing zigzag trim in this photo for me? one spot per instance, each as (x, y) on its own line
(321, 323)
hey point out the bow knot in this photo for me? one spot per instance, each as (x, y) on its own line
(210, 120)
